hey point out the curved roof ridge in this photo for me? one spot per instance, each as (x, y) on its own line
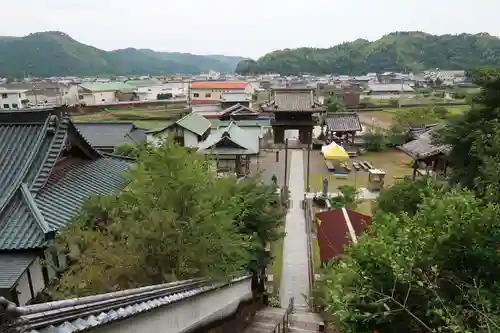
(6, 197)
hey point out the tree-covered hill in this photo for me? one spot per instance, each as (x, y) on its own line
(57, 54)
(398, 51)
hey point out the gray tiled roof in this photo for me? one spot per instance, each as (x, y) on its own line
(424, 146)
(195, 123)
(34, 200)
(343, 122)
(86, 313)
(12, 265)
(231, 140)
(294, 100)
(110, 135)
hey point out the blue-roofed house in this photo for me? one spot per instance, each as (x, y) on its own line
(47, 171)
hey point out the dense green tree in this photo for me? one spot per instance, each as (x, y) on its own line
(434, 271)
(175, 220)
(334, 105)
(129, 150)
(472, 135)
(55, 53)
(396, 51)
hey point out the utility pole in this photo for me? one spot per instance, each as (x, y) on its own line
(286, 164)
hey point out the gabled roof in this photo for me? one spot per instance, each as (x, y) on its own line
(110, 135)
(337, 228)
(108, 87)
(30, 145)
(343, 122)
(192, 122)
(238, 109)
(424, 146)
(300, 100)
(12, 265)
(231, 140)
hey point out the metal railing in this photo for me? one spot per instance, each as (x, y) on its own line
(282, 325)
(309, 219)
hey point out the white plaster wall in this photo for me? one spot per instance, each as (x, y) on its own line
(50, 264)
(186, 315)
(105, 97)
(62, 260)
(190, 139)
(23, 289)
(36, 276)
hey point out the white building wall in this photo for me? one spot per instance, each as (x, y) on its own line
(186, 315)
(37, 276)
(23, 289)
(105, 97)
(50, 264)
(190, 139)
(11, 100)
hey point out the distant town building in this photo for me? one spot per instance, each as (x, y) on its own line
(13, 99)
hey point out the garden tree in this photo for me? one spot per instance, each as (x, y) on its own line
(375, 139)
(405, 196)
(435, 271)
(334, 105)
(175, 220)
(129, 150)
(348, 198)
(466, 134)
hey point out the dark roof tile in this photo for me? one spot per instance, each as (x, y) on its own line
(343, 122)
(102, 135)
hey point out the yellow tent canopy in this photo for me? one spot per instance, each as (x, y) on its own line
(335, 152)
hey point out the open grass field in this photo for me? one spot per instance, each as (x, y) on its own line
(395, 163)
(385, 118)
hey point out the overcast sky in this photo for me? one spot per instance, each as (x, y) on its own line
(247, 28)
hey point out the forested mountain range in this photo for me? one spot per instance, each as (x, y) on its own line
(398, 51)
(55, 53)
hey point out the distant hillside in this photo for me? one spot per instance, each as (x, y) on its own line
(56, 54)
(398, 51)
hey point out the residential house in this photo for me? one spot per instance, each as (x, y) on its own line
(389, 89)
(50, 171)
(337, 228)
(230, 149)
(213, 90)
(235, 97)
(255, 128)
(106, 136)
(44, 94)
(106, 93)
(12, 99)
(238, 112)
(188, 131)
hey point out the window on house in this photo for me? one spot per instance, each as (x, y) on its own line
(208, 95)
(4, 95)
(196, 95)
(19, 95)
(6, 106)
(80, 96)
(15, 106)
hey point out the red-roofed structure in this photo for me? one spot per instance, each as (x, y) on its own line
(338, 228)
(226, 85)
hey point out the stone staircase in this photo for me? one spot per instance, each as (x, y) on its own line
(299, 322)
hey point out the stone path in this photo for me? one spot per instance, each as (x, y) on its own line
(295, 272)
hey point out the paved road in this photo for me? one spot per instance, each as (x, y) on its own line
(295, 272)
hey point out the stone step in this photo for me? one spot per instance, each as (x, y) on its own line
(306, 321)
(299, 330)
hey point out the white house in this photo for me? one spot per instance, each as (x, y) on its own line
(213, 90)
(103, 93)
(13, 99)
(188, 131)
